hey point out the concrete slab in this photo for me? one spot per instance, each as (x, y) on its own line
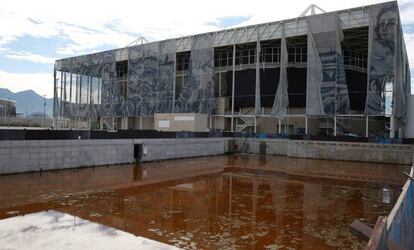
(56, 230)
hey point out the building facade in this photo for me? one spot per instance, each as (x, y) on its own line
(337, 73)
(7, 108)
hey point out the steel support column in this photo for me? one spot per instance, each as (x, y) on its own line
(232, 86)
(306, 125)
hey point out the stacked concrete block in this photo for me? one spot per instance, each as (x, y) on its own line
(345, 151)
(28, 156)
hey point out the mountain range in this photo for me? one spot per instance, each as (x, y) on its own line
(28, 101)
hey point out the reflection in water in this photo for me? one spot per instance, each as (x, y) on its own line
(241, 201)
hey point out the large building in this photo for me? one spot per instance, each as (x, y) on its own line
(336, 73)
(7, 108)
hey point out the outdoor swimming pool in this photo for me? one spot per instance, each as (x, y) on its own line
(221, 202)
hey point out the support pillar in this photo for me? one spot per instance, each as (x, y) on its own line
(392, 127)
(306, 125)
(124, 123)
(335, 125)
(232, 87)
(113, 123)
(100, 123)
(280, 127)
(174, 82)
(55, 98)
(255, 124)
(366, 126)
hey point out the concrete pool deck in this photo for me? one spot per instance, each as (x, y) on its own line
(55, 230)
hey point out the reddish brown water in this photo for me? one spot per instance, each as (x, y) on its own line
(223, 202)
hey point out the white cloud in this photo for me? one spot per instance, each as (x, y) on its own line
(41, 83)
(27, 56)
(90, 24)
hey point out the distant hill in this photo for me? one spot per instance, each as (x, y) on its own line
(28, 101)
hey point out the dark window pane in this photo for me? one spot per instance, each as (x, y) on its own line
(268, 51)
(252, 58)
(216, 56)
(298, 57)
(269, 58)
(216, 63)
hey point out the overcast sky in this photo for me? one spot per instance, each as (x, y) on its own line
(33, 34)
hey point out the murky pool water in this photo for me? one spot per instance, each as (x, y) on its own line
(223, 202)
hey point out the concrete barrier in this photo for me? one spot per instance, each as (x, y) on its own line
(328, 150)
(35, 155)
(28, 156)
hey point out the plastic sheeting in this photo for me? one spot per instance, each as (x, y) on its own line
(342, 97)
(314, 77)
(403, 78)
(281, 102)
(197, 94)
(103, 66)
(151, 78)
(326, 79)
(388, 64)
(82, 80)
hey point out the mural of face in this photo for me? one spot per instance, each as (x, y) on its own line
(385, 28)
(386, 25)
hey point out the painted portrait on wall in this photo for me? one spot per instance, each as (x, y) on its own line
(383, 29)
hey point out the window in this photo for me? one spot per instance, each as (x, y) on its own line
(122, 77)
(183, 61)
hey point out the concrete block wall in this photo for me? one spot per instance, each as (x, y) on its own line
(347, 151)
(28, 156)
(162, 149)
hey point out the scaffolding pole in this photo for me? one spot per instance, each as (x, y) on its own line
(174, 82)
(232, 86)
